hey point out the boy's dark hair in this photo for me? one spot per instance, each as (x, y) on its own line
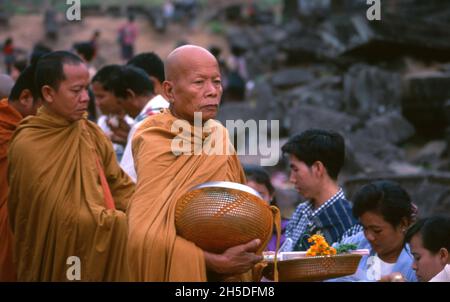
(385, 197)
(117, 79)
(151, 63)
(435, 233)
(314, 145)
(86, 49)
(50, 69)
(24, 81)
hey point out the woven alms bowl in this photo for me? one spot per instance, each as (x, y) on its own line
(219, 215)
(317, 268)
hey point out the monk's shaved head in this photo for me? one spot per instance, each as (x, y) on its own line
(193, 83)
(180, 60)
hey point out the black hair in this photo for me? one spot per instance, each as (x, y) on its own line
(314, 145)
(20, 65)
(8, 41)
(117, 79)
(50, 69)
(86, 49)
(385, 197)
(262, 177)
(259, 175)
(24, 81)
(151, 63)
(435, 232)
(39, 50)
(215, 51)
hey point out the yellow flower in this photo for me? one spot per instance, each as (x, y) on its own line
(319, 247)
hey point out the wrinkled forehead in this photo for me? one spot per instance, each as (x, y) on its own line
(191, 61)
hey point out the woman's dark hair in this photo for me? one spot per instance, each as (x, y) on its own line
(262, 177)
(385, 197)
(435, 233)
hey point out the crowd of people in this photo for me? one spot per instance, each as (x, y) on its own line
(88, 169)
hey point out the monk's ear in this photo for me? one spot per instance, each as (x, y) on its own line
(168, 91)
(48, 93)
(26, 98)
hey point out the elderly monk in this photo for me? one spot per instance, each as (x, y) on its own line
(23, 101)
(164, 174)
(68, 195)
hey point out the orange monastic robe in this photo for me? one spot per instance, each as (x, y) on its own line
(9, 119)
(155, 252)
(57, 203)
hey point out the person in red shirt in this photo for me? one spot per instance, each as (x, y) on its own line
(8, 53)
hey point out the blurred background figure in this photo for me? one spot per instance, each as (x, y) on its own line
(237, 75)
(168, 10)
(95, 42)
(127, 36)
(51, 24)
(8, 53)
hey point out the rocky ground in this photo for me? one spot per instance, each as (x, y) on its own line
(383, 85)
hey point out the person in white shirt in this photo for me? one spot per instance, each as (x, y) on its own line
(152, 64)
(429, 239)
(122, 90)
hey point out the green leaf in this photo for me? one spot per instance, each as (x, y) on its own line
(345, 248)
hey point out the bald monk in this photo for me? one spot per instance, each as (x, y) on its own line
(68, 195)
(23, 101)
(156, 253)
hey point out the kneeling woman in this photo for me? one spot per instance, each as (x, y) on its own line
(385, 211)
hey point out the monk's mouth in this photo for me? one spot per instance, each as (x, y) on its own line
(210, 107)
